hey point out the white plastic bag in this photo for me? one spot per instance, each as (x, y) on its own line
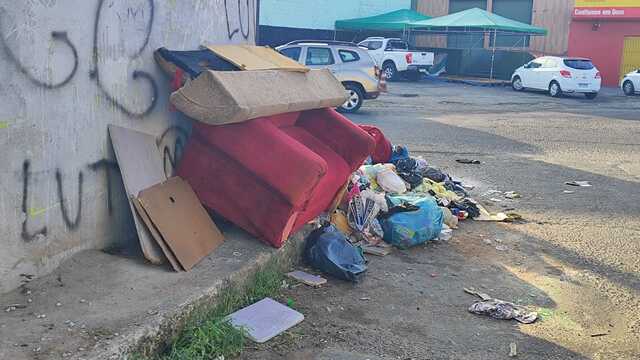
(391, 182)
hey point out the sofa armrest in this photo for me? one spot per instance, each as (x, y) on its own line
(287, 166)
(344, 137)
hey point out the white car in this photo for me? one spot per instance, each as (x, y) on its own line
(630, 84)
(393, 57)
(558, 75)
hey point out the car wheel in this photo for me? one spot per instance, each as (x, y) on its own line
(554, 89)
(389, 70)
(516, 84)
(590, 96)
(628, 88)
(354, 101)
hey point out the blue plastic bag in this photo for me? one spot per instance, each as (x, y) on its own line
(328, 250)
(407, 229)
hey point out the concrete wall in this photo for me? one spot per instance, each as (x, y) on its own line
(322, 14)
(68, 68)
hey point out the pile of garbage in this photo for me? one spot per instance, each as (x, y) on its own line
(393, 200)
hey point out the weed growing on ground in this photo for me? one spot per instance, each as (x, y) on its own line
(208, 333)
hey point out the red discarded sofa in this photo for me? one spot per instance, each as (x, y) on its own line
(272, 175)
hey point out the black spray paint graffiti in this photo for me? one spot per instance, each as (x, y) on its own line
(55, 35)
(26, 235)
(71, 224)
(232, 33)
(109, 166)
(136, 75)
(178, 147)
(172, 153)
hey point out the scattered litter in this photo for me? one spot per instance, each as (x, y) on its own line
(513, 350)
(306, 278)
(365, 298)
(41, 316)
(490, 192)
(237, 254)
(487, 241)
(512, 195)
(502, 248)
(578, 183)
(58, 304)
(495, 200)
(152, 312)
(599, 334)
(382, 249)
(29, 301)
(468, 161)
(568, 191)
(265, 319)
(500, 309)
(82, 301)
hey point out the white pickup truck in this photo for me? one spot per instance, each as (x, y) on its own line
(394, 58)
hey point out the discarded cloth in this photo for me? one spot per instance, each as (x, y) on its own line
(399, 152)
(407, 169)
(328, 250)
(407, 229)
(499, 309)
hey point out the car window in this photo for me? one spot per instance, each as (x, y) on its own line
(364, 44)
(319, 56)
(397, 45)
(374, 45)
(348, 55)
(536, 64)
(550, 63)
(292, 53)
(579, 64)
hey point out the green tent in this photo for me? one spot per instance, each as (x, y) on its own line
(476, 19)
(393, 21)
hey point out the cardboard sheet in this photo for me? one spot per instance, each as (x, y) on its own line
(265, 319)
(184, 224)
(140, 164)
(251, 57)
(156, 235)
(225, 97)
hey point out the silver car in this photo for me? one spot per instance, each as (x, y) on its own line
(348, 62)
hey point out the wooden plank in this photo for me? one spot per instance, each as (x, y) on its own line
(141, 167)
(184, 224)
(555, 16)
(251, 57)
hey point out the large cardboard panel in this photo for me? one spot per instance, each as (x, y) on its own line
(184, 224)
(156, 235)
(224, 97)
(141, 167)
(251, 57)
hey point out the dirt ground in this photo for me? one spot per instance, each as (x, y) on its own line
(574, 260)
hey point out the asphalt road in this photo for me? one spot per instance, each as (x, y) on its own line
(575, 259)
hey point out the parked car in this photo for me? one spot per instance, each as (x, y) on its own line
(394, 58)
(630, 83)
(558, 75)
(349, 63)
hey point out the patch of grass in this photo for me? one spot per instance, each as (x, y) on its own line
(208, 334)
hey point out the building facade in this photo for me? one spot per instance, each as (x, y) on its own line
(608, 32)
(282, 21)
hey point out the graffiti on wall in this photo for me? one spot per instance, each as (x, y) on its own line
(237, 24)
(139, 15)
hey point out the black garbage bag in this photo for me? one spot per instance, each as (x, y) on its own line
(408, 170)
(328, 250)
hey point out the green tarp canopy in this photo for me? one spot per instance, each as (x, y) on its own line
(393, 21)
(471, 19)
